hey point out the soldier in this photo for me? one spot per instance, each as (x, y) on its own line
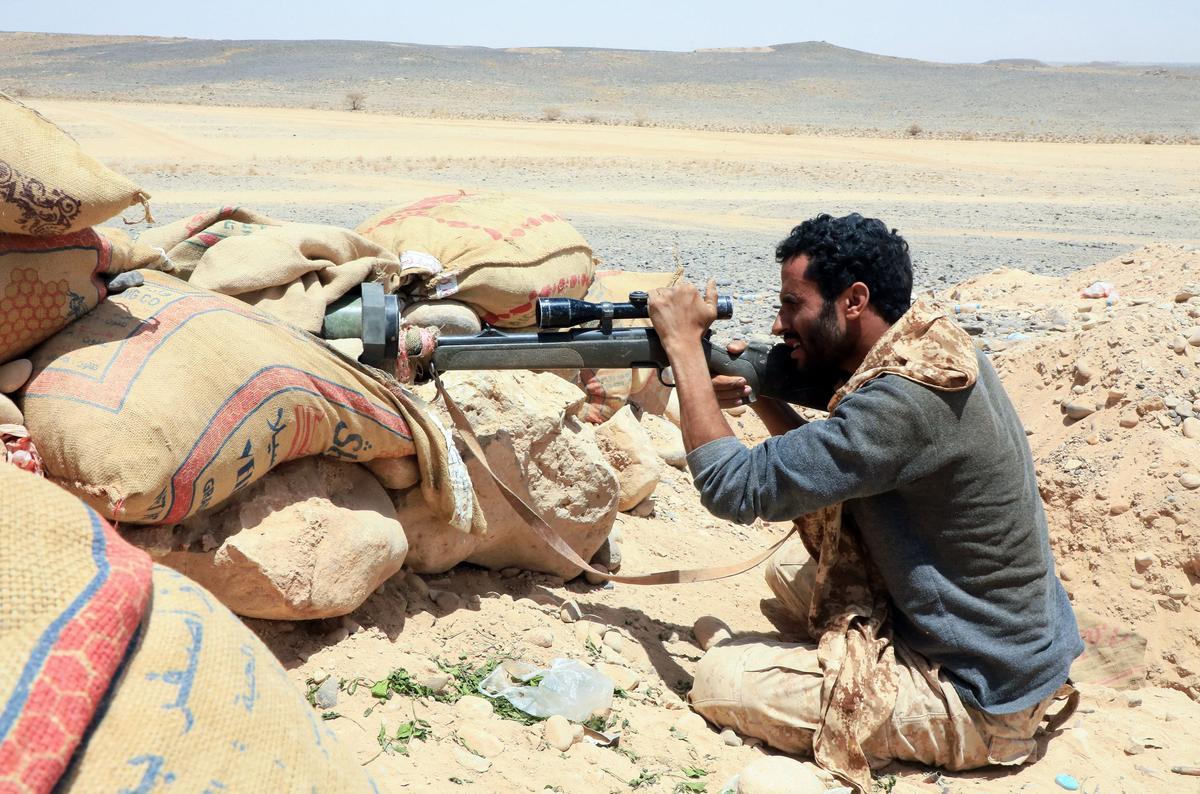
(921, 570)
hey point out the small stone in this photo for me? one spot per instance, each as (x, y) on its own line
(1143, 560)
(1137, 583)
(570, 612)
(1179, 345)
(10, 414)
(710, 630)
(473, 707)
(1190, 480)
(416, 585)
(1194, 337)
(481, 741)
(1133, 700)
(352, 625)
(446, 600)
(559, 733)
(1084, 371)
(1135, 748)
(14, 374)
(730, 738)
(1128, 421)
(1078, 410)
(468, 760)
(510, 573)
(596, 578)
(326, 696)
(541, 637)
(1071, 464)
(778, 774)
(1191, 427)
(614, 640)
(691, 724)
(644, 508)
(736, 410)
(622, 677)
(337, 635)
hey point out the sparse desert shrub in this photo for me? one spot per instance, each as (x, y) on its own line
(914, 130)
(591, 118)
(788, 130)
(640, 120)
(551, 114)
(1148, 138)
(969, 136)
(17, 91)
(356, 100)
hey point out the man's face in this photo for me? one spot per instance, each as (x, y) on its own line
(812, 327)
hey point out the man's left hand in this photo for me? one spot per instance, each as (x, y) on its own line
(681, 315)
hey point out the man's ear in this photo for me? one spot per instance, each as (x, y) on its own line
(856, 298)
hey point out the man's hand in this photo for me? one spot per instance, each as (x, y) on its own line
(681, 314)
(731, 390)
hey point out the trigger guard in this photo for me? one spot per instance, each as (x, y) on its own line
(666, 377)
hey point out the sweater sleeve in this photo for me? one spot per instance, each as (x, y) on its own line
(876, 439)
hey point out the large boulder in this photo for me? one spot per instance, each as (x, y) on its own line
(312, 539)
(629, 450)
(526, 425)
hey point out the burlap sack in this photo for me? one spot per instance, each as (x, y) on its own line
(292, 270)
(167, 398)
(116, 675)
(45, 283)
(494, 252)
(609, 390)
(48, 186)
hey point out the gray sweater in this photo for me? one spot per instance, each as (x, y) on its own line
(942, 488)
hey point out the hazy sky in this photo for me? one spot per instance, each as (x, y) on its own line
(966, 31)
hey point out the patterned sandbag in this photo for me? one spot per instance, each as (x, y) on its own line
(45, 283)
(494, 252)
(167, 398)
(116, 675)
(48, 186)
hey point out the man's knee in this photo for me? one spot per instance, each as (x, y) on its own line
(791, 574)
(765, 689)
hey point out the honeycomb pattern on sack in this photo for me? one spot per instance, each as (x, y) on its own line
(31, 309)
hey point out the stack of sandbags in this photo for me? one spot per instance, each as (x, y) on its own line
(51, 260)
(122, 675)
(492, 252)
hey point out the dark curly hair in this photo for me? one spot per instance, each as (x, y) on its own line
(844, 250)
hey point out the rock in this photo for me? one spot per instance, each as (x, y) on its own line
(340, 634)
(1191, 427)
(570, 612)
(541, 637)
(614, 640)
(446, 600)
(1078, 410)
(526, 424)
(1084, 371)
(1128, 421)
(671, 412)
(589, 630)
(395, 473)
(311, 539)
(14, 374)
(450, 317)
(10, 414)
(1118, 507)
(473, 707)
(595, 578)
(667, 440)
(709, 630)
(644, 508)
(778, 774)
(559, 733)
(468, 760)
(481, 741)
(1194, 337)
(622, 677)
(1179, 345)
(1190, 480)
(737, 410)
(609, 553)
(730, 738)
(326, 696)
(628, 449)
(691, 724)
(434, 679)
(1143, 560)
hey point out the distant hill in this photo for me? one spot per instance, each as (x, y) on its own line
(794, 86)
(1015, 62)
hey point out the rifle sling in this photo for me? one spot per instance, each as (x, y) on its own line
(552, 539)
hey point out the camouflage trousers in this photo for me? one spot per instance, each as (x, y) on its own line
(771, 690)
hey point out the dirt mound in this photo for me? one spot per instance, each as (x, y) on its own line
(1109, 394)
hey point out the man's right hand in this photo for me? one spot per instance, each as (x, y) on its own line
(731, 390)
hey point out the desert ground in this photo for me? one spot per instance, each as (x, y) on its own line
(1010, 230)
